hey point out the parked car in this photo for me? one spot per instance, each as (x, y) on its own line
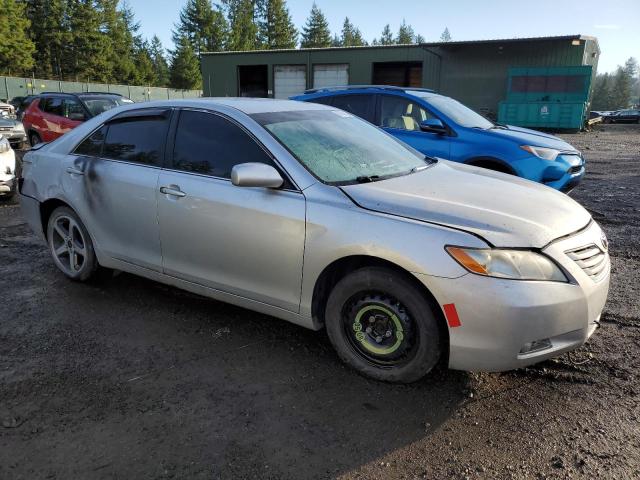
(6, 110)
(623, 116)
(13, 131)
(7, 169)
(51, 115)
(442, 127)
(312, 215)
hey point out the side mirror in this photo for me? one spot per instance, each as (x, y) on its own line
(433, 125)
(255, 175)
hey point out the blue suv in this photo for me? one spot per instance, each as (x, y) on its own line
(442, 127)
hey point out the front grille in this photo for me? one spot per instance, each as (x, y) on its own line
(591, 259)
(575, 169)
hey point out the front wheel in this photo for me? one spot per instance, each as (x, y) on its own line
(34, 139)
(70, 245)
(382, 325)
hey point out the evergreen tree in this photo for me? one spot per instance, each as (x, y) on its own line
(351, 35)
(277, 29)
(418, 38)
(50, 34)
(120, 29)
(16, 48)
(159, 62)
(87, 55)
(204, 26)
(243, 26)
(405, 34)
(387, 37)
(622, 82)
(336, 41)
(145, 71)
(185, 67)
(446, 36)
(316, 33)
(602, 93)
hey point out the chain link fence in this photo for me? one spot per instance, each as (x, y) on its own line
(19, 87)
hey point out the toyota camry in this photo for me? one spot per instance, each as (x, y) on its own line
(312, 215)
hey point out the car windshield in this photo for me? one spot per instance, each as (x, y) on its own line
(101, 103)
(340, 148)
(456, 111)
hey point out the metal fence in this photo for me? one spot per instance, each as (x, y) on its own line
(18, 87)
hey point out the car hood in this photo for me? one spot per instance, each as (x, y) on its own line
(7, 122)
(525, 136)
(506, 211)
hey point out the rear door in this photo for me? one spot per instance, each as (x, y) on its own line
(112, 180)
(401, 117)
(244, 241)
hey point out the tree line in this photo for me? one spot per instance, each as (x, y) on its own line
(618, 90)
(100, 41)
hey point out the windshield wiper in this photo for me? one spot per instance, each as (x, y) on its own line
(367, 178)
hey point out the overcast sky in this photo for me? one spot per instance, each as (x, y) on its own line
(616, 23)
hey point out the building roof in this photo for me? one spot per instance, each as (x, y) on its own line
(426, 44)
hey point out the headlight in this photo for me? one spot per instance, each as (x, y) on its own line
(19, 127)
(541, 152)
(5, 146)
(504, 263)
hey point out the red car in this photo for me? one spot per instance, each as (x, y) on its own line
(51, 115)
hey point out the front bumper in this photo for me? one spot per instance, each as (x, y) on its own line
(15, 138)
(499, 317)
(7, 185)
(564, 173)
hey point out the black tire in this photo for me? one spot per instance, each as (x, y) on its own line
(74, 264)
(414, 346)
(34, 139)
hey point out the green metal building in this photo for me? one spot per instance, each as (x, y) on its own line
(474, 72)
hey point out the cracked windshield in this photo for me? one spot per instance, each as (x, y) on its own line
(339, 148)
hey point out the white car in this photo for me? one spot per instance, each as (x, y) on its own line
(7, 168)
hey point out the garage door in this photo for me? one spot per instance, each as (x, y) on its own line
(289, 80)
(330, 75)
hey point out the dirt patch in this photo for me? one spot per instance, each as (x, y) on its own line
(132, 379)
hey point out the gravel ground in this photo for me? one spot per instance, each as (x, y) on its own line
(133, 379)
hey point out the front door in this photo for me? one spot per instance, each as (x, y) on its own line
(240, 240)
(401, 117)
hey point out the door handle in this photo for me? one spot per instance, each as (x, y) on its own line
(75, 171)
(172, 190)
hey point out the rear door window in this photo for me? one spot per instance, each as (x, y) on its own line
(92, 145)
(137, 139)
(52, 106)
(360, 105)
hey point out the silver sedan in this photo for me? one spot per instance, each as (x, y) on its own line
(314, 216)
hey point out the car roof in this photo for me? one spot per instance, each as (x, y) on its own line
(346, 89)
(259, 105)
(245, 105)
(367, 87)
(77, 94)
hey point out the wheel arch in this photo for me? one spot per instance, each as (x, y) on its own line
(491, 163)
(339, 268)
(46, 209)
